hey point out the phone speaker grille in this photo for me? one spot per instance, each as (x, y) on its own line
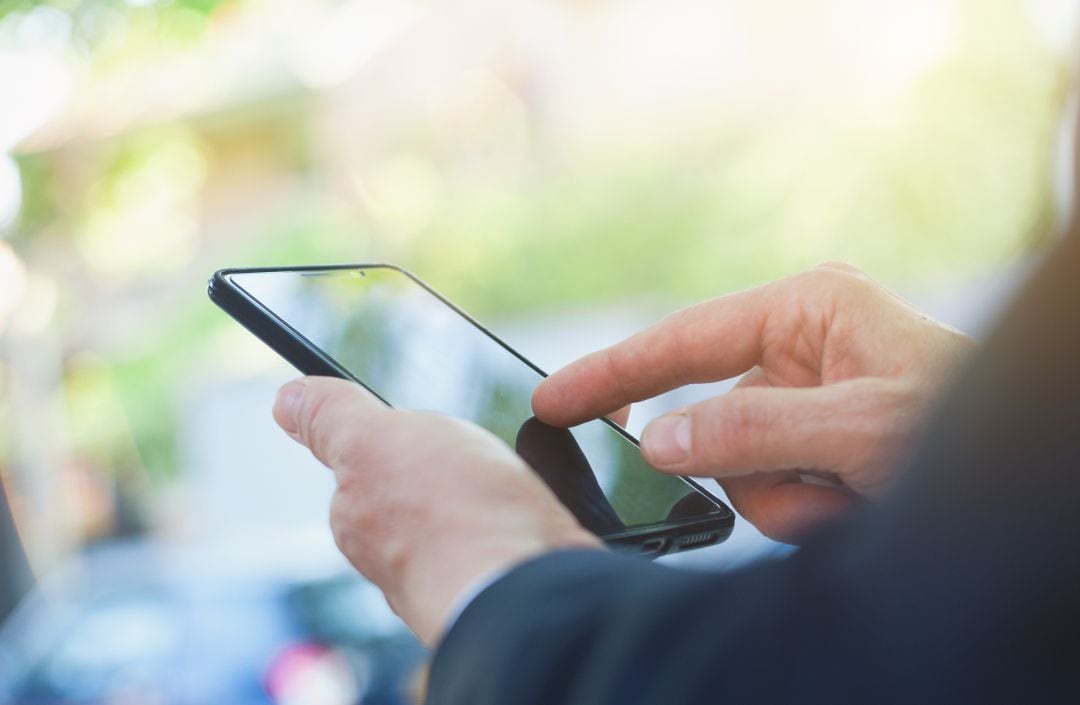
(703, 539)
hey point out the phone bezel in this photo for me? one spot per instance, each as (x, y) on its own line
(309, 359)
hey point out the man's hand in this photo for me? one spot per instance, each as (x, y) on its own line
(837, 375)
(425, 504)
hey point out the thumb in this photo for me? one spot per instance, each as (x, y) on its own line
(836, 428)
(328, 415)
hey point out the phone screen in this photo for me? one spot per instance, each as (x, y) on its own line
(415, 351)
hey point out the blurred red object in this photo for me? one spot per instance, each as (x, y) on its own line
(312, 674)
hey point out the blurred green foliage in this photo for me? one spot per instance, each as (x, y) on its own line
(953, 186)
(957, 186)
(204, 7)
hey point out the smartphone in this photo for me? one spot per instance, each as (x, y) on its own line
(386, 330)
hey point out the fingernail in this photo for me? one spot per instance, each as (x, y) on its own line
(666, 441)
(287, 406)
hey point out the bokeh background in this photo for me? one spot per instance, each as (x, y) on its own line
(566, 170)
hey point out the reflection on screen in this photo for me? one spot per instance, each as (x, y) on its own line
(418, 353)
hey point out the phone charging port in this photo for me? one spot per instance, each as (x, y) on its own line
(653, 546)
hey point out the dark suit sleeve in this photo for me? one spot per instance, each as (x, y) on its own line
(961, 586)
(15, 578)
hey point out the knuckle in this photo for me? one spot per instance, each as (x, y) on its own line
(840, 266)
(832, 273)
(832, 286)
(831, 280)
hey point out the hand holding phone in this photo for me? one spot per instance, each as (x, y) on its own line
(428, 522)
(383, 328)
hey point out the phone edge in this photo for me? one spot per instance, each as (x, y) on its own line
(310, 360)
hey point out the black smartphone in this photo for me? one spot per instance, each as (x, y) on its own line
(383, 328)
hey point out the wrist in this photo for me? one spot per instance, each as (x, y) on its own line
(437, 585)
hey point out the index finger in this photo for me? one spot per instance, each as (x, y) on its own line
(706, 342)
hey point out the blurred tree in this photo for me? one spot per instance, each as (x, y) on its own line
(137, 193)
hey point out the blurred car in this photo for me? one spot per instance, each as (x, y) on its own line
(135, 624)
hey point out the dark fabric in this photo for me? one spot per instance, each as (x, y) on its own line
(14, 571)
(961, 586)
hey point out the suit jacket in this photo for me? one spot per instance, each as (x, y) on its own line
(961, 586)
(15, 577)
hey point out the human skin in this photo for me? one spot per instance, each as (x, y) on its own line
(838, 373)
(425, 504)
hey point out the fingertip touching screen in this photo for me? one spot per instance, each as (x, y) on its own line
(416, 351)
